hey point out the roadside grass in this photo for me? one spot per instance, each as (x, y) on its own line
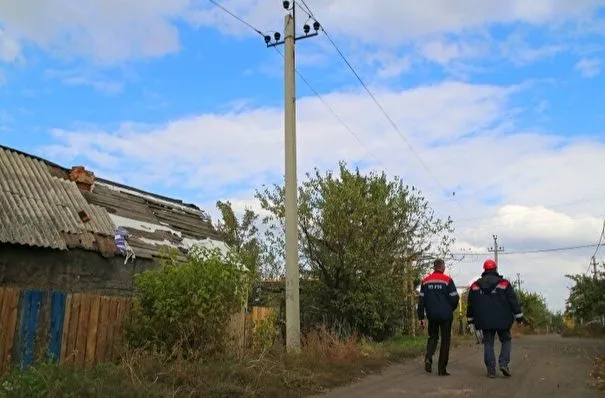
(598, 373)
(324, 362)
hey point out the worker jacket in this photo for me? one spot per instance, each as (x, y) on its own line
(492, 303)
(438, 298)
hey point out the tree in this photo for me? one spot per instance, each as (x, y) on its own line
(535, 309)
(586, 299)
(363, 238)
(240, 235)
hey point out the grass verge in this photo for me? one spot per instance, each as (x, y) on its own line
(598, 373)
(323, 363)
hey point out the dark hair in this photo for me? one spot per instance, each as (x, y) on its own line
(438, 263)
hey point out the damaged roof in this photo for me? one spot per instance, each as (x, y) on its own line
(38, 209)
(46, 205)
(153, 222)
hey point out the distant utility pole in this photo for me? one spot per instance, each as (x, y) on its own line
(594, 264)
(291, 206)
(496, 249)
(519, 281)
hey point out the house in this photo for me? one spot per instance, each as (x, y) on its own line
(58, 227)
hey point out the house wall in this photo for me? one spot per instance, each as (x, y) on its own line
(74, 271)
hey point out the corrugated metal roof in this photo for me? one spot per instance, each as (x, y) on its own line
(37, 208)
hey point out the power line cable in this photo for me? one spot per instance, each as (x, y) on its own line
(236, 17)
(307, 83)
(520, 252)
(600, 241)
(340, 120)
(380, 106)
(348, 128)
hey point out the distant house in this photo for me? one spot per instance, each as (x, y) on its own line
(58, 227)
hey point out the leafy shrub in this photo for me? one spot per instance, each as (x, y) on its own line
(186, 306)
(266, 333)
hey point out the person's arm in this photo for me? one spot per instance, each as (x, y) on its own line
(453, 297)
(514, 304)
(420, 309)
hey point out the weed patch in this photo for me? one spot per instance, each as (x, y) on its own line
(324, 362)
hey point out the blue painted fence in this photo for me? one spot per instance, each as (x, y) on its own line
(44, 325)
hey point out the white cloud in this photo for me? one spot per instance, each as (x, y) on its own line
(9, 48)
(109, 32)
(86, 78)
(105, 31)
(464, 133)
(445, 51)
(394, 21)
(588, 67)
(517, 50)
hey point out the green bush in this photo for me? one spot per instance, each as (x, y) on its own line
(185, 307)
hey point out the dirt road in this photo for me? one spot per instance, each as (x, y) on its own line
(542, 366)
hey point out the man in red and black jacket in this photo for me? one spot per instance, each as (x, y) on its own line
(493, 307)
(438, 299)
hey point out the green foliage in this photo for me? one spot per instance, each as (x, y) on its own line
(51, 380)
(586, 299)
(187, 305)
(363, 237)
(240, 235)
(535, 310)
(266, 333)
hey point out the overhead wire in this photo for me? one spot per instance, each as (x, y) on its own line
(520, 252)
(600, 241)
(380, 106)
(217, 4)
(307, 83)
(336, 115)
(394, 125)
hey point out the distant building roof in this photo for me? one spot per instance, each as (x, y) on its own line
(46, 205)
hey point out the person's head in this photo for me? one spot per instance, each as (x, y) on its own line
(439, 265)
(490, 265)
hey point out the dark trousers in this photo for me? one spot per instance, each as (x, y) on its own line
(489, 355)
(434, 329)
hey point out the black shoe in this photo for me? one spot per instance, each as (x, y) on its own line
(428, 366)
(505, 371)
(444, 373)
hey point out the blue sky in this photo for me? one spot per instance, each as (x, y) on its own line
(504, 105)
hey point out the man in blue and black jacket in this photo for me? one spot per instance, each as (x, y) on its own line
(438, 299)
(493, 307)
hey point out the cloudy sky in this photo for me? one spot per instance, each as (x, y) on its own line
(501, 101)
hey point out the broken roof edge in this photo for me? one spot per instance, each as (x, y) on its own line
(151, 195)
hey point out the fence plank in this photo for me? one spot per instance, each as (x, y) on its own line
(82, 334)
(57, 318)
(42, 326)
(93, 325)
(72, 333)
(4, 310)
(9, 302)
(113, 307)
(27, 330)
(13, 316)
(65, 352)
(102, 330)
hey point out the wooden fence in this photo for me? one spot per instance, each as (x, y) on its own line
(82, 329)
(54, 326)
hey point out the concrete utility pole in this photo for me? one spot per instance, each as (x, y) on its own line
(519, 281)
(291, 205)
(593, 262)
(496, 249)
